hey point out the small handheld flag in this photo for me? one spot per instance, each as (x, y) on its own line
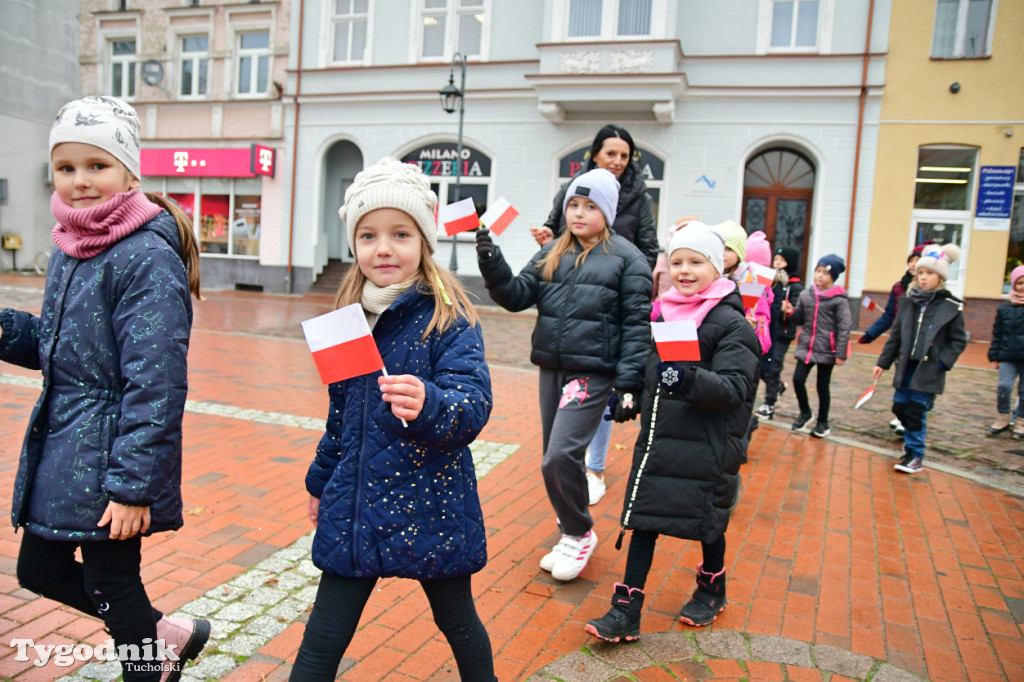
(458, 217)
(676, 340)
(750, 291)
(865, 396)
(342, 345)
(498, 216)
(868, 303)
(761, 274)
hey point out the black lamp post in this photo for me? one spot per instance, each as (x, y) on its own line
(453, 98)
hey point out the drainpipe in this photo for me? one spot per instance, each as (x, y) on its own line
(860, 132)
(288, 278)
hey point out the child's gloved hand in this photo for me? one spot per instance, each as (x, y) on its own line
(625, 405)
(484, 244)
(672, 376)
(863, 339)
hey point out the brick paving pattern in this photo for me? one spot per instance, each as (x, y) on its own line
(838, 568)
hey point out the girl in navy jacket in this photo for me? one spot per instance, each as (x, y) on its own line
(1006, 352)
(390, 497)
(101, 462)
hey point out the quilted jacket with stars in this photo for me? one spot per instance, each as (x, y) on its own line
(402, 501)
(111, 342)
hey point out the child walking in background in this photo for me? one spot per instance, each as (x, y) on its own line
(100, 466)
(1006, 352)
(394, 498)
(592, 290)
(685, 476)
(824, 314)
(787, 287)
(925, 342)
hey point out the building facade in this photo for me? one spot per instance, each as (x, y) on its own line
(949, 148)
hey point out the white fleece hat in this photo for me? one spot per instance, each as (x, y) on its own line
(391, 184)
(938, 258)
(105, 122)
(601, 187)
(703, 239)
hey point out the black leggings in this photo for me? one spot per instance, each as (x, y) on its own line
(824, 394)
(339, 604)
(641, 554)
(105, 585)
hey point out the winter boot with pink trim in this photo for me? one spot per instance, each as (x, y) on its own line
(622, 622)
(188, 637)
(707, 600)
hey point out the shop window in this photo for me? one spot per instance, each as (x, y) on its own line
(451, 26)
(194, 66)
(253, 63)
(225, 213)
(944, 178)
(604, 19)
(246, 217)
(122, 68)
(963, 29)
(349, 23)
(437, 161)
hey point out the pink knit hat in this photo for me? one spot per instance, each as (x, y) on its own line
(1016, 274)
(758, 249)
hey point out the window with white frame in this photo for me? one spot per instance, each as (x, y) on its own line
(607, 19)
(253, 63)
(348, 21)
(122, 68)
(194, 66)
(963, 29)
(451, 26)
(794, 24)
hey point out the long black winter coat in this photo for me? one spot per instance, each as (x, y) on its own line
(1008, 335)
(634, 215)
(939, 334)
(686, 462)
(591, 318)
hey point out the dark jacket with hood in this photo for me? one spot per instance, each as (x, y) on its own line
(932, 336)
(790, 291)
(595, 317)
(826, 321)
(111, 342)
(634, 216)
(685, 476)
(1008, 335)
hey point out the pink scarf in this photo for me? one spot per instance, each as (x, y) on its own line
(676, 306)
(85, 232)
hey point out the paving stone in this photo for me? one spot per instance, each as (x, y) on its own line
(890, 673)
(211, 667)
(238, 612)
(722, 644)
(307, 595)
(226, 593)
(292, 580)
(307, 568)
(264, 596)
(665, 647)
(780, 650)
(289, 609)
(243, 645)
(221, 629)
(295, 552)
(623, 656)
(105, 672)
(275, 564)
(251, 579)
(846, 663)
(578, 667)
(265, 626)
(202, 607)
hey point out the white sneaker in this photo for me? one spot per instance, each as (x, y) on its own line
(549, 560)
(573, 554)
(595, 487)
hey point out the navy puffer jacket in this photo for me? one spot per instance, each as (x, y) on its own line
(111, 342)
(402, 501)
(1008, 335)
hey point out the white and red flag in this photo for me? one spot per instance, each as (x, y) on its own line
(868, 303)
(865, 396)
(342, 345)
(498, 215)
(676, 340)
(751, 291)
(761, 274)
(458, 217)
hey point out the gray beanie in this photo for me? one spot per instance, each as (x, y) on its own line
(391, 184)
(703, 239)
(105, 122)
(598, 185)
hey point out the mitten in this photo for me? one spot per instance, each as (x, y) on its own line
(672, 376)
(627, 405)
(484, 244)
(863, 339)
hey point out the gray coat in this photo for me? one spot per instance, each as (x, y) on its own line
(825, 326)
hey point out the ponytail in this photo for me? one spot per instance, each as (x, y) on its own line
(189, 245)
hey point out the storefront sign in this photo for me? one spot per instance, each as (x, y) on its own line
(202, 163)
(995, 198)
(438, 159)
(261, 162)
(651, 166)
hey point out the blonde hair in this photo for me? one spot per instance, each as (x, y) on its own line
(189, 245)
(549, 263)
(450, 298)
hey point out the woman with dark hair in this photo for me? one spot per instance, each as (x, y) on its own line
(613, 149)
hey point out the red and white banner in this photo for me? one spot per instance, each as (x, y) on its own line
(760, 274)
(866, 396)
(751, 291)
(498, 216)
(458, 217)
(868, 303)
(342, 345)
(676, 340)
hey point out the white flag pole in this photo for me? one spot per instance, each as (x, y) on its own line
(404, 423)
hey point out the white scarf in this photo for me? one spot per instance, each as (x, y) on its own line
(376, 300)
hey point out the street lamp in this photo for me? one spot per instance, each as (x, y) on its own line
(453, 98)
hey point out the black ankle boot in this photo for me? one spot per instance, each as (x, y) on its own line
(707, 600)
(622, 622)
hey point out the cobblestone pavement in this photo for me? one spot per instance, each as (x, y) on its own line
(838, 569)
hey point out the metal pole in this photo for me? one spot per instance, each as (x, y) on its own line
(453, 264)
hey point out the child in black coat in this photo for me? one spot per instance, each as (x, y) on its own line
(1006, 352)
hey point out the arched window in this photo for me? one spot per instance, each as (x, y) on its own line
(778, 192)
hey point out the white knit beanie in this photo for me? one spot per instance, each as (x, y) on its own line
(105, 122)
(703, 239)
(391, 184)
(601, 187)
(938, 258)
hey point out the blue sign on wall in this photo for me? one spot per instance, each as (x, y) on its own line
(995, 192)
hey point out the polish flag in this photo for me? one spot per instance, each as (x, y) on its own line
(458, 217)
(342, 345)
(760, 274)
(676, 340)
(751, 291)
(868, 303)
(865, 396)
(498, 216)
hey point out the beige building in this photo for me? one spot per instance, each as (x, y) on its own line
(949, 148)
(206, 79)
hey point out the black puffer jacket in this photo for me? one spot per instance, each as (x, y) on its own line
(686, 462)
(591, 318)
(634, 215)
(1008, 335)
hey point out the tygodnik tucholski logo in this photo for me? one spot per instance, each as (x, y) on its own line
(150, 656)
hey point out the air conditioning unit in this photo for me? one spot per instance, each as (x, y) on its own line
(47, 174)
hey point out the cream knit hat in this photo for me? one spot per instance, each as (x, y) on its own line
(938, 258)
(391, 184)
(105, 122)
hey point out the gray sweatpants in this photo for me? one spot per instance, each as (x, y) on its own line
(571, 407)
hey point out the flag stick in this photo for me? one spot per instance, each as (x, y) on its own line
(404, 423)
